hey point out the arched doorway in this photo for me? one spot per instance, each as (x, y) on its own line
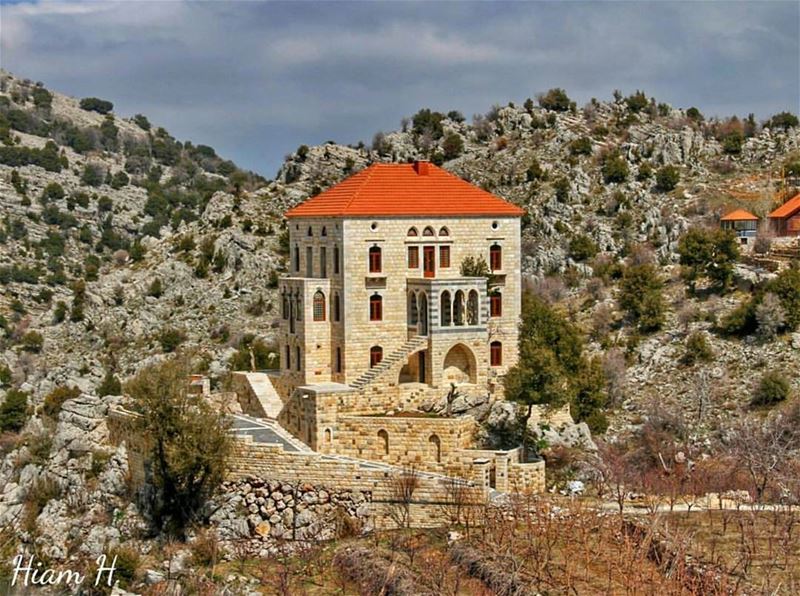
(460, 365)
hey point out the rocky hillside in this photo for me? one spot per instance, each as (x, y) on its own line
(121, 243)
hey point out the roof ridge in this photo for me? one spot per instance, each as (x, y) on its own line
(368, 171)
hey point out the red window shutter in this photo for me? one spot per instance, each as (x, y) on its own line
(413, 257)
(444, 256)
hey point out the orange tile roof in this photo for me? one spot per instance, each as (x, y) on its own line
(788, 209)
(420, 188)
(739, 215)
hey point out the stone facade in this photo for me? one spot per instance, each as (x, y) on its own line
(330, 260)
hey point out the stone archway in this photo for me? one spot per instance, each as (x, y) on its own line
(460, 365)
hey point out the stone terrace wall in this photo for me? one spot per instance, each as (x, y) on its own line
(427, 443)
(431, 504)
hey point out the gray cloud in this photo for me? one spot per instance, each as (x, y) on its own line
(255, 80)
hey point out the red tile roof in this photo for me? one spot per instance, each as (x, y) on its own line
(420, 188)
(788, 209)
(739, 215)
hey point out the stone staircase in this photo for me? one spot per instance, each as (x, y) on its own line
(399, 356)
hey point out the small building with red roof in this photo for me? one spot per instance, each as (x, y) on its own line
(743, 223)
(375, 297)
(785, 220)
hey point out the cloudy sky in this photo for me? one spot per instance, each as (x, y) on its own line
(255, 79)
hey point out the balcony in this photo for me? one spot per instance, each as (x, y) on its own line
(438, 306)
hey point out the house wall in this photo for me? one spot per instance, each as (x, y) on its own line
(467, 237)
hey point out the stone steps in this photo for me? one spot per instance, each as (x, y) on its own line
(388, 363)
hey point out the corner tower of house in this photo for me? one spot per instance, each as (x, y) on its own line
(375, 295)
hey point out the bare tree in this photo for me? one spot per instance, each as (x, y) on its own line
(402, 487)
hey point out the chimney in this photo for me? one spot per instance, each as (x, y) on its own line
(421, 167)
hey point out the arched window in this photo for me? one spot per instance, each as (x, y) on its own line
(496, 305)
(428, 231)
(412, 232)
(323, 261)
(309, 261)
(375, 356)
(444, 231)
(375, 259)
(296, 258)
(310, 231)
(458, 308)
(319, 306)
(375, 307)
(285, 310)
(472, 308)
(336, 260)
(288, 354)
(383, 441)
(436, 447)
(446, 309)
(298, 308)
(328, 436)
(496, 353)
(495, 257)
(337, 307)
(413, 310)
(297, 357)
(324, 231)
(338, 360)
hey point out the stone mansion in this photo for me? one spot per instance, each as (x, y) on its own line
(377, 322)
(375, 292)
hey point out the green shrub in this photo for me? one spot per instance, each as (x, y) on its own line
(783, 120)
(14, 411)
(5, 375)
(93, 175)
(253, 352)
(155, 289)
(667, 178)
(694, 114)
(32, 342)
(710, 253)
(60, 312)
(94, 104)
(119, 180)
(773, 387)
(732, 143)
(561, 186)
(452, 145)
(47, 158)
(581, 146)
(171, 339)
(142, 122)
(615, 169)
(52, 192)
(697, 349)
(641, 296)
(110, 385)
(582, 247)
(636, 102)
(42, 98)
(555, 99)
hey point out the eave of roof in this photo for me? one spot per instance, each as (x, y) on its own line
(788, 209)
(739, 215)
